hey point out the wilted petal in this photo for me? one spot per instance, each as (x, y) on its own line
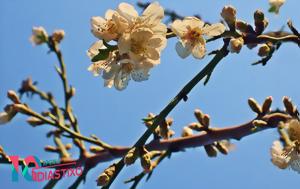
(213, 30)
(183, 51)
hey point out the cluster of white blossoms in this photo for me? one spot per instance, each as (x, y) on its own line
(288, 156)
(140, 40)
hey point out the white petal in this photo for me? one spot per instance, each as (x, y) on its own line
(127, 11)
(213, 30)
(179, 28)
(182, 51)
(109, 14)
(193, 22)
(153, 14)
(124, 44)
(96, 23)
(94, 49)
(152, 53)
(139, 75)
(199, 50)
(121, 80)
(160, 29)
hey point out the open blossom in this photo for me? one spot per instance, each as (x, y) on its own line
(286, 157)
(191, 30)
(116, 70)
(39, 35)
(140, 40)
(275, 5)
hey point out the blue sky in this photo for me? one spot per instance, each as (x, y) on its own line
(116, 116)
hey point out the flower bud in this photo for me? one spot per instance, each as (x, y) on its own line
(39, 36)
(229, 14)
(206, 120)
(289, 107)
(146, 162)
(8, 114)
(131, 156)
(267, 104)
(259, 123)
(259, 16)
(242, 26)
(255, 107)
(199, 115)
(186, 132)
(264, 50)
(58, 35)
(104, 178)
(49, 148)
(210, 150)
(96, 149)
(222, 148)
(33, 121)
(12, 95)
(235, 45)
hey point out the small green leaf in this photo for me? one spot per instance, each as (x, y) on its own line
(272, 9)
(102, 55)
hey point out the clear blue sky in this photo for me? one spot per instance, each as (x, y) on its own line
(116, 116)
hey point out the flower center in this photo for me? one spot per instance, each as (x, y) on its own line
(137, 47)
(127, 67)
(193, 34)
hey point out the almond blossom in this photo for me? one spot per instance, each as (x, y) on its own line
(39, 35)
(286, 157)
(191, 30)
(140, 40)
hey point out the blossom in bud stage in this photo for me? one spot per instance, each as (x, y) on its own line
(58, 35)
(7, 115)
(235, 45)
(131, 156)
(146, 162)
(191, 30)
(267, 105)
(104, 178)
(254, 106)
(39, 36)
(140, 40)
(33, 121)
(242, 26)
(264, 50)
(275, 5)
(259, 123)
(289, 107)
(187, 132)
(229, 14)
(12, 95)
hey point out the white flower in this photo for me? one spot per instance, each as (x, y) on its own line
(58, 35)
(39, 35)
(278, 158)
(275, 5)
(116, 70)
(190, 30)
(286, 157)
(146, 36)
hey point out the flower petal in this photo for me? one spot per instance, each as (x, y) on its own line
(213, 30)
(139, 75)
(121, 80)
(193, 22)
(153, 14)
(179, 28)
(199, 49)
(183, 51)
(127, 11)
(94, 49)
